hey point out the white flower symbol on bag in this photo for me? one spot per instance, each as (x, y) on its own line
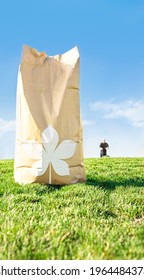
(49, 154)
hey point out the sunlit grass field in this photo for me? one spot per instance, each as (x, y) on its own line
(100, 219)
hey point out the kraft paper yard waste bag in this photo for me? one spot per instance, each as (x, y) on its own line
(49, 144)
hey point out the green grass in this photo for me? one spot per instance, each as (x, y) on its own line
(101, 219)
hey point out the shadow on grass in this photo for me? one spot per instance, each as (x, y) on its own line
(32, 189)
(48, 189)
(106, 214)
(106, 184)
(110, 184)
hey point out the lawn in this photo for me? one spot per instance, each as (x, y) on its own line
(101, 219)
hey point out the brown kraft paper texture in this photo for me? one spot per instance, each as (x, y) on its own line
(49, 144)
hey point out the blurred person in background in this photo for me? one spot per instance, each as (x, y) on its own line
(103, 148)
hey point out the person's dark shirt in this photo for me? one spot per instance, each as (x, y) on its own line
(104, 145)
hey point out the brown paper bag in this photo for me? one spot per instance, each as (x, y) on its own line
(49, 146)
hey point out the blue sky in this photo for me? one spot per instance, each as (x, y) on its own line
(110, 37)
